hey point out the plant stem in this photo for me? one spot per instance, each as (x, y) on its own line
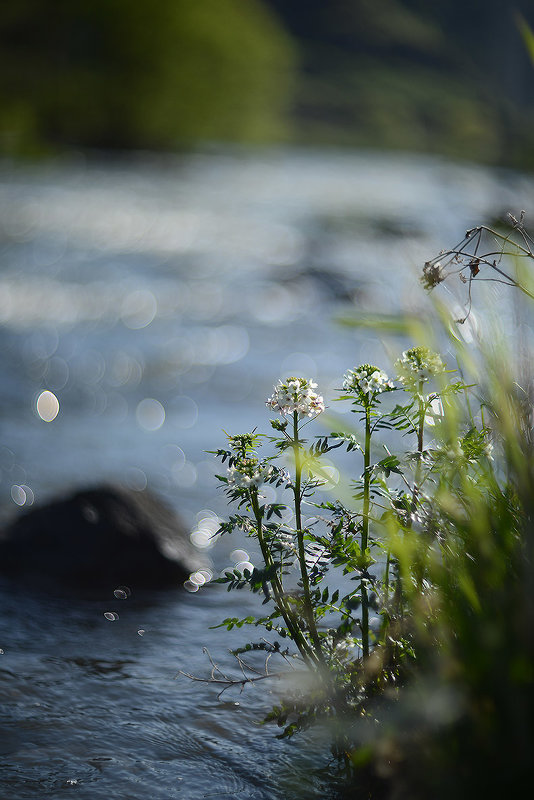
(386, 576)
(292, 625)
(365, 528)
(308, 608)
(418, 471)
(420, 443)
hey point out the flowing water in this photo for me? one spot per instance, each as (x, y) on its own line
(157, 300)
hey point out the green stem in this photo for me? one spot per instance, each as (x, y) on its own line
(297, 491)
(419, 468)
(386, 575)
(365, 528)
(420, 443)
(366, 479)
(292, 625)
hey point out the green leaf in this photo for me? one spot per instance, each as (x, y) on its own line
(403, 324)
(527, 34)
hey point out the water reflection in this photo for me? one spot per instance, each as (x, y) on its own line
(56, 373)
(184, 411)
(47, 406)
(150, 414)
(139, 309)
(122, 592)
(204, 534)
(135, 479)
(22, 495)
(185, 476)
(125, 369)
(173, 456)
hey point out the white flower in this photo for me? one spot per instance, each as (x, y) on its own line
(248, 474)
(367, 381)
(296, 395)
(417, 366)
(340, 649)
(236, 478)
(344, 646)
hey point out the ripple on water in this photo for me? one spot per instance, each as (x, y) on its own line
(116, 721)
(134, 321)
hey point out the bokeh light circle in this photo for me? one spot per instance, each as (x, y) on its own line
(150, 414)
(47, 406)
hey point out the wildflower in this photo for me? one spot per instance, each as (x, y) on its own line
(296, 395)
(417, 366)
(344, 646)
(366, 382)
(339, 648)
(248, 473)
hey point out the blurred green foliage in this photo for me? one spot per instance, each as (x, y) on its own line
(444, 77)
(124, 73)
(466, 713)
(447, 76)
(460, 722)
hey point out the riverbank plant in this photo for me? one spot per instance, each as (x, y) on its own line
(402, 613)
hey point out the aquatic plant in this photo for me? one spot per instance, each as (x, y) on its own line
(402, 612)
(304, 559)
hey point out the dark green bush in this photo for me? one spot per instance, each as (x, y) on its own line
(124, 73)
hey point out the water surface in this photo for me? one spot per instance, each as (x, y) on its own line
(159, 299)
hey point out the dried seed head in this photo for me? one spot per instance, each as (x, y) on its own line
(432, 274)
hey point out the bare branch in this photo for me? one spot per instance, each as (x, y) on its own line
(470, 257)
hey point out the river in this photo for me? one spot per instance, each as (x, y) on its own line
(159, 298)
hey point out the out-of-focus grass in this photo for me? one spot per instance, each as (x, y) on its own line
(462, 723)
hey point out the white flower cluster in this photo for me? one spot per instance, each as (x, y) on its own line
(341, 648)
(417, 366)
(248, 474)
(296, 394)
(344, 646)
(367, 380)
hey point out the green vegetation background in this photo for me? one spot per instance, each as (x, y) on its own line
(449, 76)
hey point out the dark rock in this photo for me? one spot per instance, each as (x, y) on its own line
(100, 538)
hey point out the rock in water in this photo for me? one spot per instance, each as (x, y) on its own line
(100, 538)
